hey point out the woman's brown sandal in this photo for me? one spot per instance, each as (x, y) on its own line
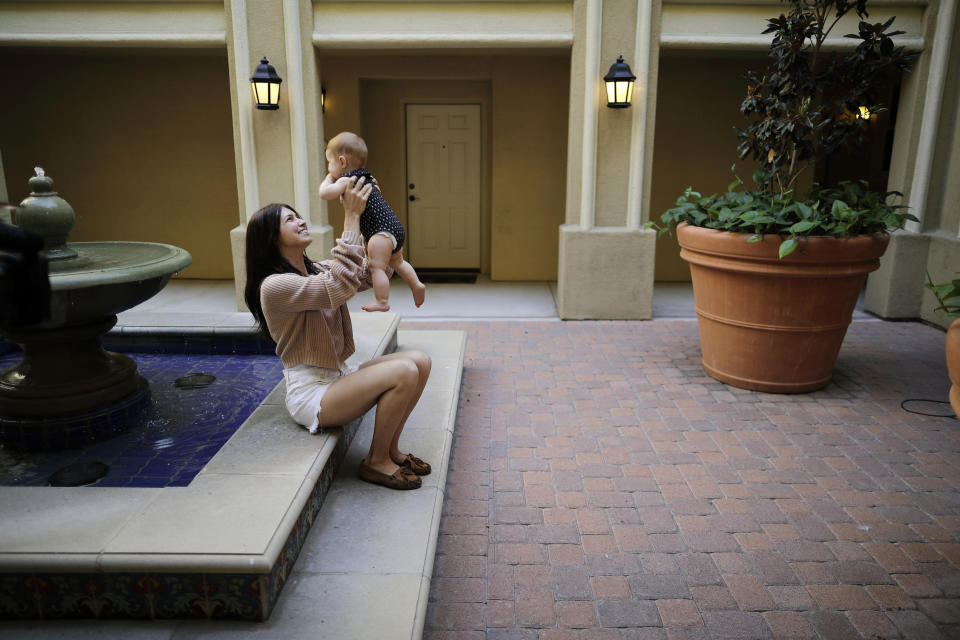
(401, 479)
(415, 464)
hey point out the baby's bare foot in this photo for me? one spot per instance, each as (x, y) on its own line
(419, 292)
(376, 306)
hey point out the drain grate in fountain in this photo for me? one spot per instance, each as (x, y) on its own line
(195, 381)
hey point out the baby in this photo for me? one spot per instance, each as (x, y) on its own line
(382, 231)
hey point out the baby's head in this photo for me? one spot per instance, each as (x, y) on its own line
(345, 152)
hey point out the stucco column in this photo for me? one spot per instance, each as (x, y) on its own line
(5, 216)
(606, 260)
(924, 158)
(278, 153)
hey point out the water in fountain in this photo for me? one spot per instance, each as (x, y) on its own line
(182, 427)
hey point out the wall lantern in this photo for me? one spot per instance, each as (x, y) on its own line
(323, 100)
(266, 86)
(864, 113)
(619, 82)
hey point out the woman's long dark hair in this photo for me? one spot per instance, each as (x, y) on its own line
(263, 257)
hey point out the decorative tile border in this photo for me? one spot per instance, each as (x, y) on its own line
(180, 340)
(153, 595)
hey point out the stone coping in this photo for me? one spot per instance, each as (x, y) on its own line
(122, 521)
(244, 517)
(370, 556)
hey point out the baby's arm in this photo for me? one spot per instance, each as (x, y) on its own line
(333, 189)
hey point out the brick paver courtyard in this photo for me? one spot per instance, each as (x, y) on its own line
(602, 487)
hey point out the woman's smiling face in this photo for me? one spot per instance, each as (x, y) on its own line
(293, 230)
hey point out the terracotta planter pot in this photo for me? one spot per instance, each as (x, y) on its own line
(953, 364)
(775, 325)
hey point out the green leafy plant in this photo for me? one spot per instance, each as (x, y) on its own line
(803, 105)
(947, 294)
(807, 100)
(847, 210)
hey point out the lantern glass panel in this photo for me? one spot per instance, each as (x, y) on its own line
(620, 92)
(266, 93)
(260, 92)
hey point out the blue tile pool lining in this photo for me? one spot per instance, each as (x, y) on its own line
(181, 429)
(187, 567)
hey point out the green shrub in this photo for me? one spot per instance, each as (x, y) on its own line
(948, 295)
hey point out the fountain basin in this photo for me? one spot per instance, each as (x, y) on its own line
(66, 380)
(109, 277)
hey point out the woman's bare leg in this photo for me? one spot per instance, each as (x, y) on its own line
(393, 385)
(423, 364)
(379, 250)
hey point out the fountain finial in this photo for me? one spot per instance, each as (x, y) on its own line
(47, 214)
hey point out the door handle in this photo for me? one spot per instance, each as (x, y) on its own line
(412, 198)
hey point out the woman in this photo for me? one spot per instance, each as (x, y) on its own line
(301, 305)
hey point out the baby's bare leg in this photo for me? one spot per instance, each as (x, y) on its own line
(409, 275)
(379, 249)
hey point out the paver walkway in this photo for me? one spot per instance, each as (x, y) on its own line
(602, 487)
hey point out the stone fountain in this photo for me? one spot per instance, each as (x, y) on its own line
(68, 391)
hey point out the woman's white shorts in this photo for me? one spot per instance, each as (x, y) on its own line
(306, 385)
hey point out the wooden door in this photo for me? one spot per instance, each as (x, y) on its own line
(443, 185)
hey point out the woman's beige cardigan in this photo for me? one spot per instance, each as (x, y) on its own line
(307, 316)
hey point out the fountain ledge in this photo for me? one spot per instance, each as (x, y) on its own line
(224, 546)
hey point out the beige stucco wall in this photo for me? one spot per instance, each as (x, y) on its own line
(139, 144)
(944, 201)
(523, 100)
(512, 58)
(529, 166)
(614, 125)
(698, 104)
(941, 220)
(925, 164)
(948, 201)
(271, 139)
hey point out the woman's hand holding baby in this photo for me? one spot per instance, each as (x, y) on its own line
(354, 200)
